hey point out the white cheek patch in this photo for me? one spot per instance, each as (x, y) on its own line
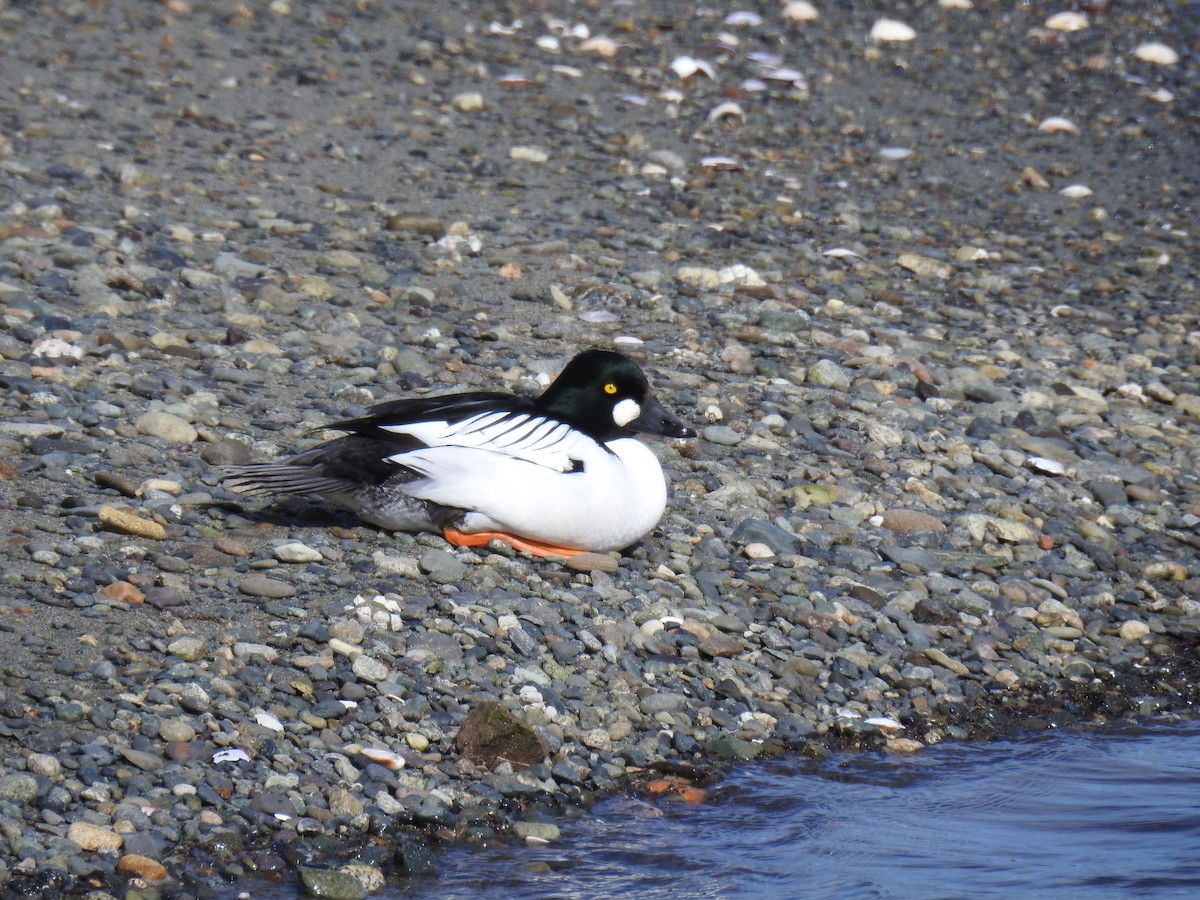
(626, 411)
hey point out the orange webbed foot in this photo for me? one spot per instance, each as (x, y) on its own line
(526, 545)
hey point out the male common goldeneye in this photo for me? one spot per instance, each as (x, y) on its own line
(555, 475)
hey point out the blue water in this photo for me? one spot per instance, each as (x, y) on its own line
(1095, 814)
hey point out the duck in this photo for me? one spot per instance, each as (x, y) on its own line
(556, 475)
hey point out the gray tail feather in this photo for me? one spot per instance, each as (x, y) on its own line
(262, 479)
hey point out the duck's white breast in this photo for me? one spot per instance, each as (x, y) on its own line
(571, 492)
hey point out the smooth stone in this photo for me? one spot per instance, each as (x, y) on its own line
(296, 552)
(442, 566)
(126, 521)
(538, 832)
(592, 562)
(727, 746)
(188, 648)
(756, 531)
(827, 373)
(93, 837)
(142, 759)
(270, 588)
(903, 521)
(331, 884)
(166, 426)
(722, 435)
(41, 764)
(1133, 630)
(138, 866)
(18, 788)
(720, 644)
(939, 657)
(367, 669)
(176, 730)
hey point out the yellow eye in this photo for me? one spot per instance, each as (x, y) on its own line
(610, 388)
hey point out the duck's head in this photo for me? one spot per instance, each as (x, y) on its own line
(606, 395)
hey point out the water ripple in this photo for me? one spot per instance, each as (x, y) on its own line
(1096, 814)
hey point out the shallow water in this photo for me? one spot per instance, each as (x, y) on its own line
(1111, 813)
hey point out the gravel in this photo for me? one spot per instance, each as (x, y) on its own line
(946, 485)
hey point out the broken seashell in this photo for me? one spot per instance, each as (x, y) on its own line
(1076, 191)
(1155, 52)
(1046, 465)
(725, 110)
(515, 80)
(266, 720)
(601, 45)
(743, 17)
(686, 66)
(1068, 21)
(387, 758)
(800, 11)
(891, 31)
(720, 163)
(786, 76)
(1057, 124)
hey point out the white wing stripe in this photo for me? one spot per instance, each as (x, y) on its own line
(536, 439)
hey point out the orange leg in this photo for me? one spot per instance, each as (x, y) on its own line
(480, 539)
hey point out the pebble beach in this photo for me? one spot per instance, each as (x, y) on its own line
(925, 279)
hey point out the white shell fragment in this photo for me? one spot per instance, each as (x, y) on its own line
(725, 110)
(800, 11)
(1157, 53)
(892, 31)
(686, 66)
(231, 754)
(601, 45)
(388, 758)
(1068, 21)
(785, 75)
(56, 348)
(1076, 191)
(743, 17)
(603, 315)
(884, 723)
(955, 4)
(1160, 95)
(720, 163)
(1046, 466)
(515, 80)
(841, 253)
(1058, 125)
(266, 720)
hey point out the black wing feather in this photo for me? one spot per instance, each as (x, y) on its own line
(361, 457)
